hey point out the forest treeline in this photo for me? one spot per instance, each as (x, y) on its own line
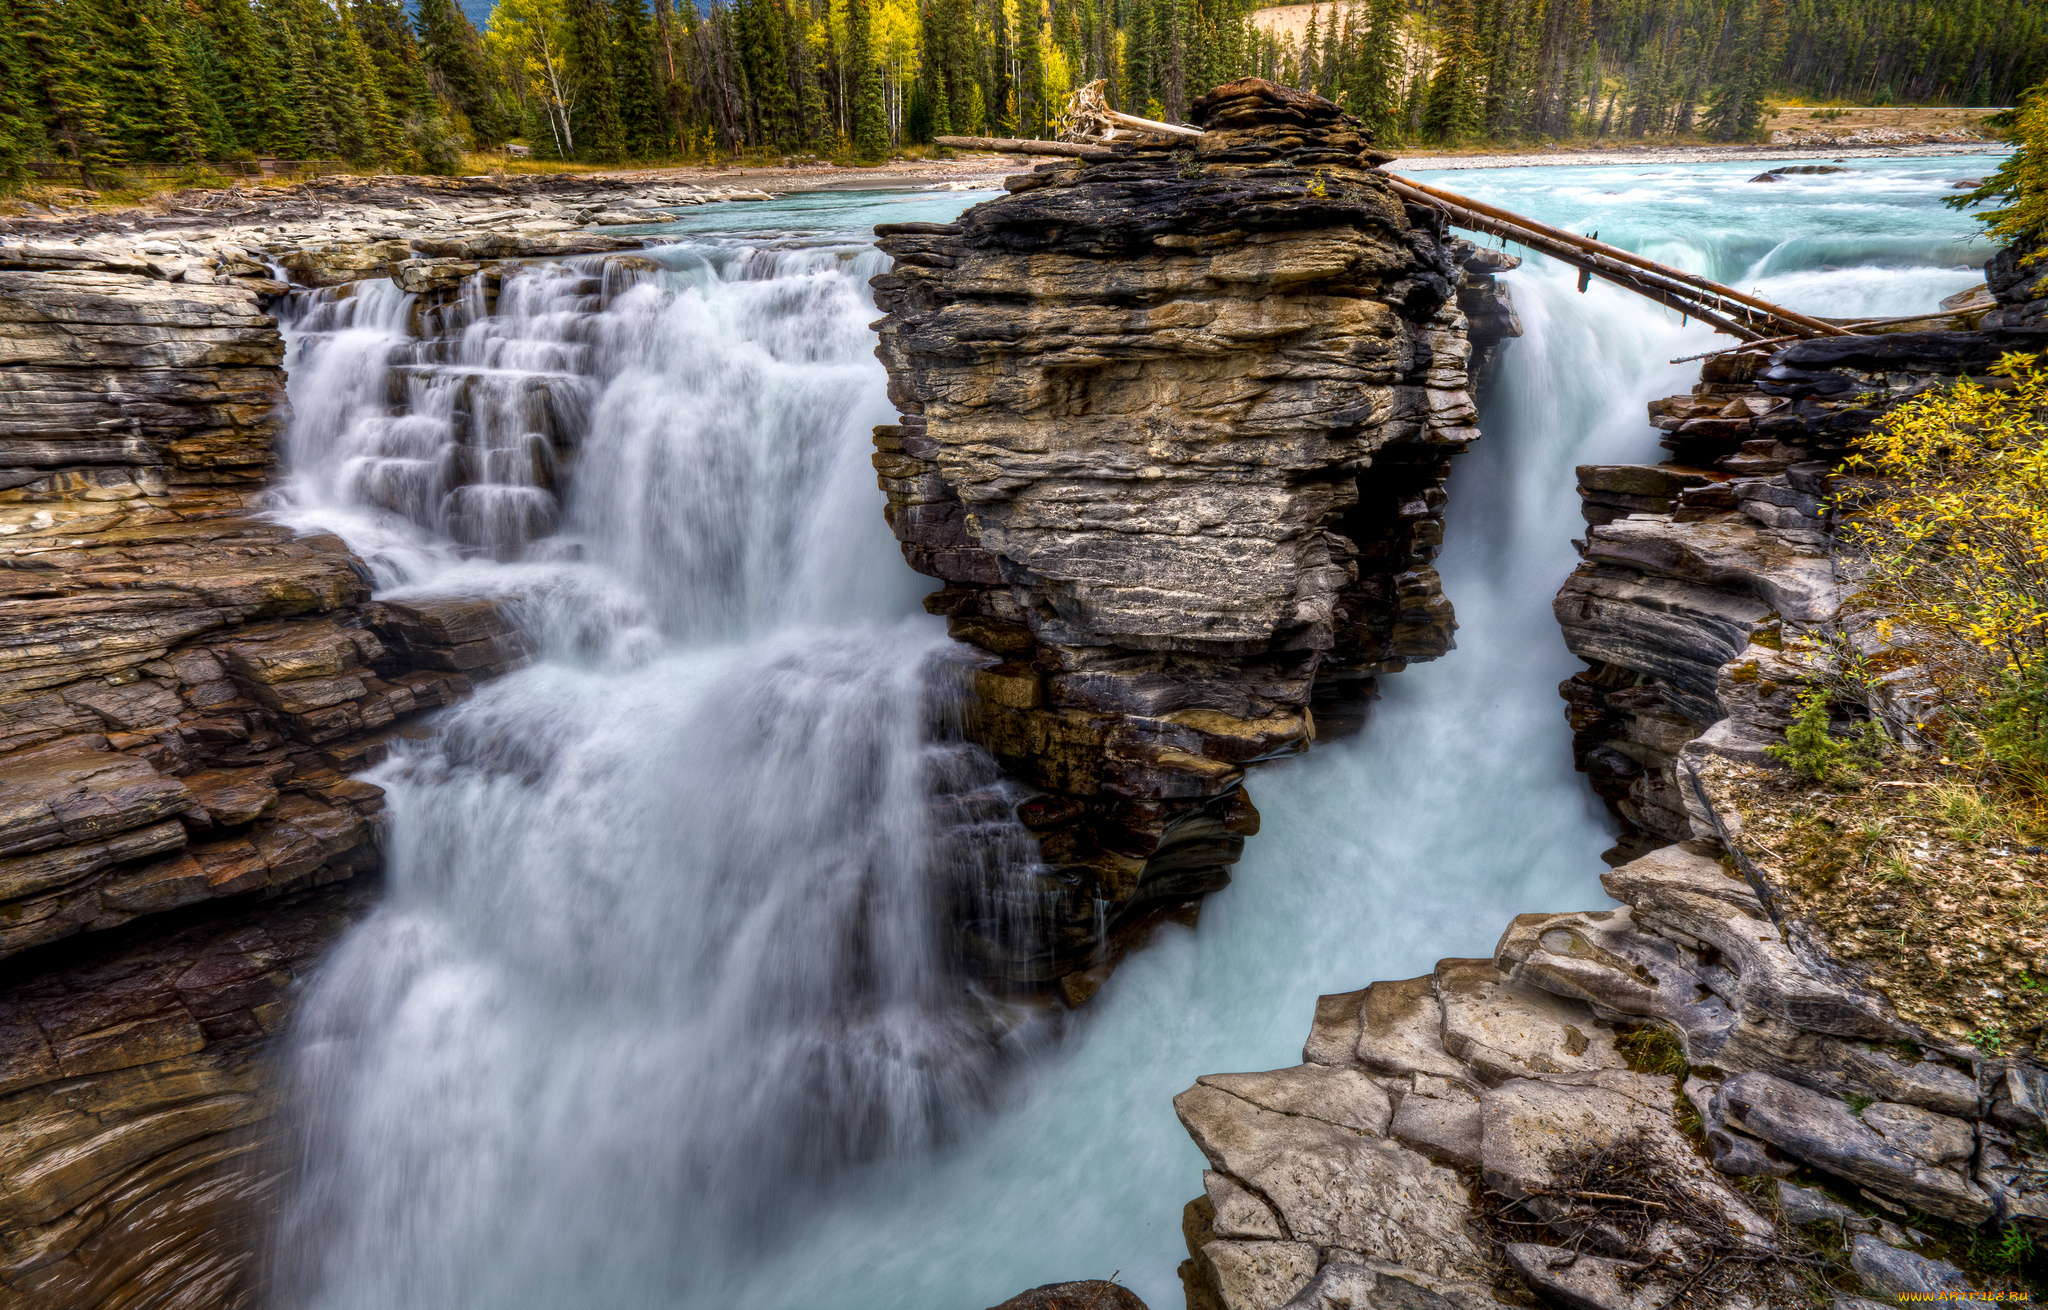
(95, 84)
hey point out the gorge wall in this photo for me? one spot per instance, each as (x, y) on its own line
(1175, 425)
(1181, 476)
(185, 687)
(1596, 1112)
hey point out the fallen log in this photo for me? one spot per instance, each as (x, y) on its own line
(1423, 193)
(1671, 294)
(1012, 146)
(1137, 124)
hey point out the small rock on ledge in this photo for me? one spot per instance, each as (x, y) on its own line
(1088, 1294)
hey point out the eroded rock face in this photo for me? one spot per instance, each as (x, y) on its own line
(1505, 1073)
(1174, 428)
(1698, 572)
(184, 688)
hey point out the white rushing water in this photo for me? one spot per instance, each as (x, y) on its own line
(653, 1013)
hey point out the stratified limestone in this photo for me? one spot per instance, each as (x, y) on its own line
(1175, 423)
(1698, 573)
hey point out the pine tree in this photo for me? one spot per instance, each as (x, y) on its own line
(251, 81)
(601, 135)
(21, 129)
(632, 45)
(1453, 112)
(452, 51)
(1312, 49)
(870, 116)
(1376, 76)
(62, 85)
(1141, 67)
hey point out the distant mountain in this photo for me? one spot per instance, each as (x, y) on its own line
(479, 11)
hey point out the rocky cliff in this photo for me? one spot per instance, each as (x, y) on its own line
(184, 689)
(1548, 1116)
(1175, 424)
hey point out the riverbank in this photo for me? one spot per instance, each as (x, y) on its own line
(71, 212)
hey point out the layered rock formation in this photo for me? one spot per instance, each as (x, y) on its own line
(1429, 1110)
(1175, 422)
(2017, 277)
(1711, 592)
(184, 688)
(1697, 571)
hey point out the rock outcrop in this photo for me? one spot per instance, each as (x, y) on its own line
(1427, 1109)
(2018, 280)
(184, 688)
(1697, 572)
(1711, 590)
(1175, 423)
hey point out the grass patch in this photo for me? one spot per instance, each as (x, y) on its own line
(1653, 1049)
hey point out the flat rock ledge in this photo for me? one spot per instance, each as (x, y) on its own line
(185, 687)
(1427, 1109)
(1174, 427)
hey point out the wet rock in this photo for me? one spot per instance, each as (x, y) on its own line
(133, 1104)
(1088, 1294)
(182, 685)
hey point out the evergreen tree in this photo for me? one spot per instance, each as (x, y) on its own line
(640, 116)
(453, 53)
(1453, 111)
(870, 116)
(1376, 78)
(601, 134)
(60, 82)
(252, 81)
(20, 125)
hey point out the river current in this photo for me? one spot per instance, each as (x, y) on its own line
(655, 1012)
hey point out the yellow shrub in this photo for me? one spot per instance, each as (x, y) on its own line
(1955, 519)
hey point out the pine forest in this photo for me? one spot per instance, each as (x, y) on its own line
(94, 85)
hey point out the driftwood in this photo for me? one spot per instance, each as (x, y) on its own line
(1665, 291)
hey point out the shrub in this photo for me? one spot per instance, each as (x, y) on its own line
(1954, 530)
(1811, 749)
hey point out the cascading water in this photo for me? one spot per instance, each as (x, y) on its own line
(652, 894)
(663, 945)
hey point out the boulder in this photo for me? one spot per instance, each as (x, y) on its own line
(1889, 1271)
(1586, 1282)
(1088, 1294)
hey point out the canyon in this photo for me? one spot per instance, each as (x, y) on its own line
(1173, 430)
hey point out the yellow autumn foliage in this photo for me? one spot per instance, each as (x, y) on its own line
(1951, 512)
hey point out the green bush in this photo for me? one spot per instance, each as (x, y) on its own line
(1812, 751)
(2016, 725)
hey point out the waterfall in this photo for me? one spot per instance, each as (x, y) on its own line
(654, 1013)
(665, 943)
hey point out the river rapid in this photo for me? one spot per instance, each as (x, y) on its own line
(654, 1013)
